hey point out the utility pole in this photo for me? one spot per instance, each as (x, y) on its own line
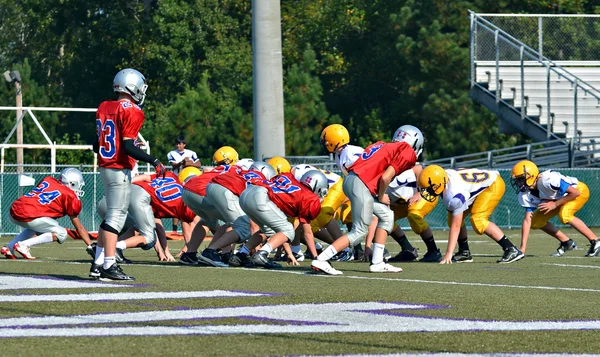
(19, 127)
(267, 79)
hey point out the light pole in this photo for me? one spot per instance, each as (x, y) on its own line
(15, 77)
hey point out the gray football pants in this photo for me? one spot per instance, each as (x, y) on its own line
(203, 208)
(228, 206)
(260, 209)
(44, 225)
(117, 190)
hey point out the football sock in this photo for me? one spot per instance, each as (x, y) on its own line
(318, 246)
(26, 234)
(121, 245)
(244, 250)
(267, 248)
(505, 243)
(430, 243)
(174, 228)
(463, 244)
(42, 238)
(328, 253)
(108, 262)
(404, 242)
(99, 256)
(296, 249)
(377, 253)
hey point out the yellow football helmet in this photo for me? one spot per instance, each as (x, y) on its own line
(524, 174)
(225, 155)
(432, 182)
(280, 165)
(334, 136)
(188, 173)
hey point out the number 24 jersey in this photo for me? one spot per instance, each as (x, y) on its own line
(49, 199)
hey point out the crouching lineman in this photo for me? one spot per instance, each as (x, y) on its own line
(464, 192)
(270, 203)
(554, 194)
(38, 210)
(370, 177)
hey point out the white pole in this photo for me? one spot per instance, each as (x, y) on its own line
(19, 127)
(269, 131)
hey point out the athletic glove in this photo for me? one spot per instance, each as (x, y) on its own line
(159, 168)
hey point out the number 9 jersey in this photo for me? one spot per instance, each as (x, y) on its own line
(49, 199)
(464, 185)
(115, 120)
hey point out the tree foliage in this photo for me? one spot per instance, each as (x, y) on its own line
(371, 65)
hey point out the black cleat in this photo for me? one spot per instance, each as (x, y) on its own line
(91, 250)
(432, 257)
(261, 259)
(114, 273)
(95, 271)
(120, 258)
(241, 260)
(463, 256)
(188, 259)
(407, 255)
(511, 254)
(594, 248)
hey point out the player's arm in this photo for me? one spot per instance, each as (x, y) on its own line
(309, 238)
(452, 237)
(384, 182)
(135, 152)
(571, 193)
(525, 229)
(83, 233)
(141, 178)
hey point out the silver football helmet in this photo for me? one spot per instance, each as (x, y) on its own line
(73, 179)
(412, 136)
(131, 82)
(317, 182)
(264, 168)
(244, 163)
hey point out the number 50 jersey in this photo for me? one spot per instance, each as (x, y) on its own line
(49, 199)
(463, 187)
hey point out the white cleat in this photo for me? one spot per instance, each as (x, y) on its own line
(24, 251)
(324, 266)
(384, 268)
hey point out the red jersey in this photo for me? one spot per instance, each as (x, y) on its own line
(293, 198)
(237, 179)
(166, 201)
(197, 184)
(115, 120)
(376, 158)
(49, 199)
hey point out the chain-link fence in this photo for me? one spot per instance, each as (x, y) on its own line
(559, 37)
(508, 214)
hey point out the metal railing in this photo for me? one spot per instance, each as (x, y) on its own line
(494, 48)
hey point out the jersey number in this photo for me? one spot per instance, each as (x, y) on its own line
(475, 177)
(166, 189)
(43, 197)
(370, 151)
(283, 184)
(106, 136)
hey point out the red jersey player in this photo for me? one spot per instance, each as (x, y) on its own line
(270, 203)
(118, 123)
(38, 210)
(365, 186)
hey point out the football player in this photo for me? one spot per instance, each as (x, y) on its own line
(365, 186)
(335, 140)
(547, 194)
(118, 123)
(467, 191)
(224, 191)
(38, 210)
(270, 203)
(280, 164)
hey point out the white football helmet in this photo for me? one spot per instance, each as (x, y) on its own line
(264, 168)
(317, 182)
(244, 163)
(131, 82)
(73, 179)
(412, 136)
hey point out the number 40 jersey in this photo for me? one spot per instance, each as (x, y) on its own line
(49, 199)
(166, 196)
(463, 187)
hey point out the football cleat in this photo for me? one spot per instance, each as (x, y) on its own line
(594, 248)
(345, 255)
(241, 260)
(114, 273)
(324, 266)
(308, 255)
(432, 257)
(565, 247)
(299, 257)
(188, 259)
(211, 257)
(95, 271)
(384, 268)
(24, 251)
(407, 255)
(261, 259)
(120, 258)
(511, 255)
(7, 253)
(91, 250)
(462, 256)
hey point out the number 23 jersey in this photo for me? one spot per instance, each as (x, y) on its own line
(463, 187)
(49, 199)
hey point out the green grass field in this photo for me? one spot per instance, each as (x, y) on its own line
(541, 304)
